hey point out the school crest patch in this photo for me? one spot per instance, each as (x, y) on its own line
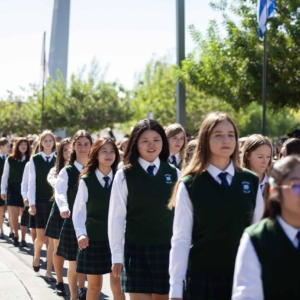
(168, 178)
(246, 187)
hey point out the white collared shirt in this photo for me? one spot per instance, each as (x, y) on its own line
(61, 188)
(183, 227)
(5, 175)
(118, 210)
(247, 282)
(24, 184)
(51, 178)
(177, 157)
(32, 177)
(79, 208)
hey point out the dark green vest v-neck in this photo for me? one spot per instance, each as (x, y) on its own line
(279, 259)
(16, 169)
(73, 175)
(148, 220)
(97, 208)
(220, 217)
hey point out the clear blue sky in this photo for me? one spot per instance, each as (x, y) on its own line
(121, 34)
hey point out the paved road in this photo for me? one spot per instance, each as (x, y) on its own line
(19, 281)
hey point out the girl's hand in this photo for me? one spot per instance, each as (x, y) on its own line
(32, 210)
(65, 214)
(83, 242)
(116, 270)
(3, 197)
(26, 202)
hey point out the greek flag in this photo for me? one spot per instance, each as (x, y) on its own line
(266, 10)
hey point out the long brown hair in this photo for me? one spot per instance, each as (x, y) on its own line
(201, 158)
(79, 134)
(281, 170)
(17, 155)
(92, 163)
(173, 130)
(60, 161)
(253, 142)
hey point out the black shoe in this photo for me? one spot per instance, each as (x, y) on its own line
(24, 244)
(11, 235)
(2, 236)
(16, 242)
(60, 289)
(36, 269)
(82, 294)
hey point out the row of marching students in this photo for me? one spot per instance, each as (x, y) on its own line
(215, 201)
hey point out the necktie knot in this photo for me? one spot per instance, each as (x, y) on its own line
(223, 178)
(106, 179)
(173, 160)
(48, 158)
(150, 170)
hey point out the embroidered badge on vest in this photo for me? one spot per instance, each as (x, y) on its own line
(246, 187)
(168, 178)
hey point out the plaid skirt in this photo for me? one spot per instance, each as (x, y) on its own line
(55, 223)
(67, 245)
(95, 259)
(25, 217)
(31, 221)
(14, 197)
(199, 286)
(146, 269)
(43, 208)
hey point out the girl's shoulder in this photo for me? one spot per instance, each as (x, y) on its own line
(246, 173)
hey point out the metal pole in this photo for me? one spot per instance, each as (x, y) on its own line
(44, 74)
(264, 88)
(180, 56)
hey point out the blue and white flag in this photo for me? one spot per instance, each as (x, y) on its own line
(265, 11)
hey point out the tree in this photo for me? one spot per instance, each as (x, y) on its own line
(230, 67)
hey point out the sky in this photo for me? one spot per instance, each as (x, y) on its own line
(123, 35)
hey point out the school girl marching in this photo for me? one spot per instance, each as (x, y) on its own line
(268, 259)
(214, 202)
(90, 217)
(139, 197)
(65, 192)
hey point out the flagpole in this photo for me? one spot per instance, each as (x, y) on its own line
(44, 74)
(264, 87)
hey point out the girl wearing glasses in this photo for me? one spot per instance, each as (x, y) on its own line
(268, 259)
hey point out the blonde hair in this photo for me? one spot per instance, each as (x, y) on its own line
(43, 136)
(173, 130)
(201, 158)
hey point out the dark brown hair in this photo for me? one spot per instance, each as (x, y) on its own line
(60, 161)
(173, 130)
(253, 142)
(79, 134)
(188, 153)
(292, 146)
(131, 154)
(4, 141)
(281, 170)
(17, 155)
(92, 163)
(201, 158)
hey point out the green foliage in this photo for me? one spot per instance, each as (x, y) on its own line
(230, 67)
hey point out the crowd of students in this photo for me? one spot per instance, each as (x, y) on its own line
(167, 219)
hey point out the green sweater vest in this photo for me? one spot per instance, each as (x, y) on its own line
(97, 208)
(73, 175)
(220, 217)
(148, 220)
(16, 169)
(42, 168)
(279, 259)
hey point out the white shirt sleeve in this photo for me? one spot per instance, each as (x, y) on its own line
(24, 184)
(259, 207)
(116, 217)
(181, 241)
(31, 182)
(247, 283)
(51, 178)
(61, 189)
(79, 209)
(4, 180)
